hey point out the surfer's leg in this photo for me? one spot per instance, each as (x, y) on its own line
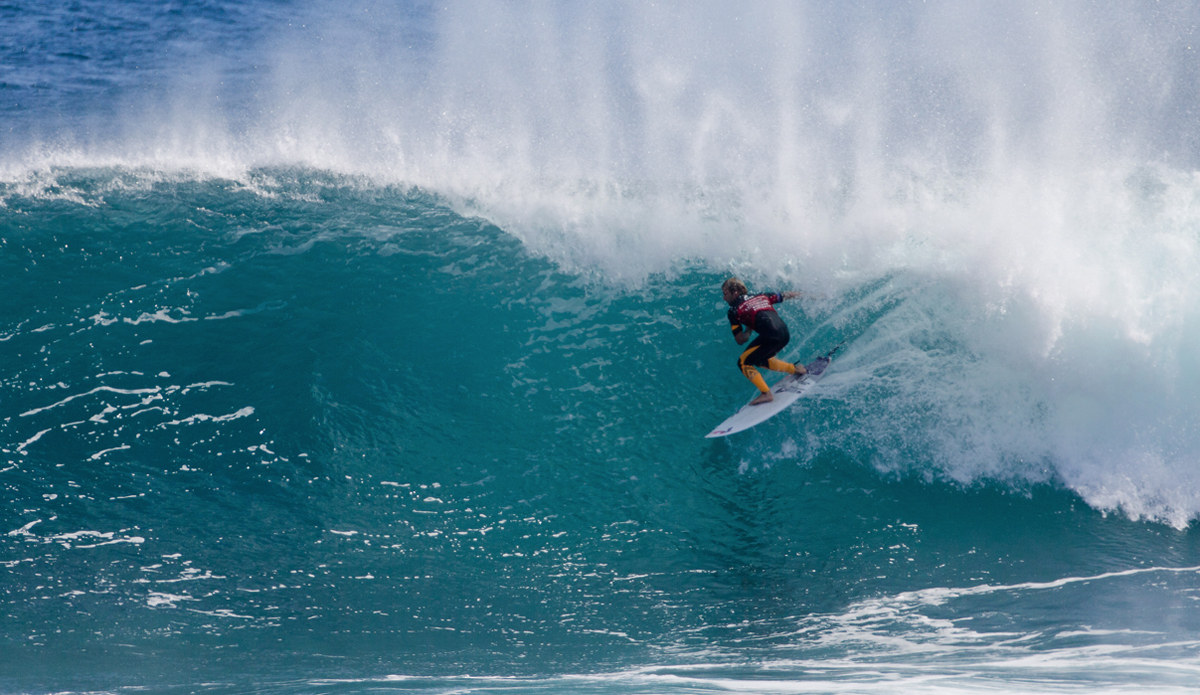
(756, 378)
(773, 335)
(772, 343)
(781, 366)
(747, 362)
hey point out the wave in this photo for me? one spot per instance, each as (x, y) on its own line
(949, 375)
(1002, 210)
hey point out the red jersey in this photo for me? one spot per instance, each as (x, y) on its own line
(745, 314)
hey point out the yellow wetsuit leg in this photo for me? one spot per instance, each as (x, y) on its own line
(752, 373)
(780, 366)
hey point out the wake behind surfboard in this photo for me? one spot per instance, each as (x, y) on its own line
(785, 391)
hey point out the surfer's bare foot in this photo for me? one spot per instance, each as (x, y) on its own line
(800, 370)
(762, 398)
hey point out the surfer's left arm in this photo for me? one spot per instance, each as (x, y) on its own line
(797, 295)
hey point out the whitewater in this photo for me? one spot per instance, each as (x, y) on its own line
(358, 346)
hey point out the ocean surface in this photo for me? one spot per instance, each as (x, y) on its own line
(357, 346)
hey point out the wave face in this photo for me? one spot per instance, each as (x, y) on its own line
(354, 348)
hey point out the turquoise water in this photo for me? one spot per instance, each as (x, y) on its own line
(312, 390)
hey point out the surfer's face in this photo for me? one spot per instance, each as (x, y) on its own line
(731, 297)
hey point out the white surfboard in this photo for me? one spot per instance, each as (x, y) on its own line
(785, 391)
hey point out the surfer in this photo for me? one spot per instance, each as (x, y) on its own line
(756, 313)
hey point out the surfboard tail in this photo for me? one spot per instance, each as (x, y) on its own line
(817, 366)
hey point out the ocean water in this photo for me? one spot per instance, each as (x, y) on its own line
(366, 347)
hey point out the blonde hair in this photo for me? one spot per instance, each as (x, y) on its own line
(734, 285)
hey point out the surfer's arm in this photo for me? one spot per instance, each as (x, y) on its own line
(741, 332)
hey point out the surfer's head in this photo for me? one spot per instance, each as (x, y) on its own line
(733, 289)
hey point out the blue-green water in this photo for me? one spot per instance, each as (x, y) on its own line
(317, 390)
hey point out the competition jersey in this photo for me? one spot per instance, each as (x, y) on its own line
(743, 316)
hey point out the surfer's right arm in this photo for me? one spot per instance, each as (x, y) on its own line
(740, 333)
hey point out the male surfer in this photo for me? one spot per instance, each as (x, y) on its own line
(756, 313)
